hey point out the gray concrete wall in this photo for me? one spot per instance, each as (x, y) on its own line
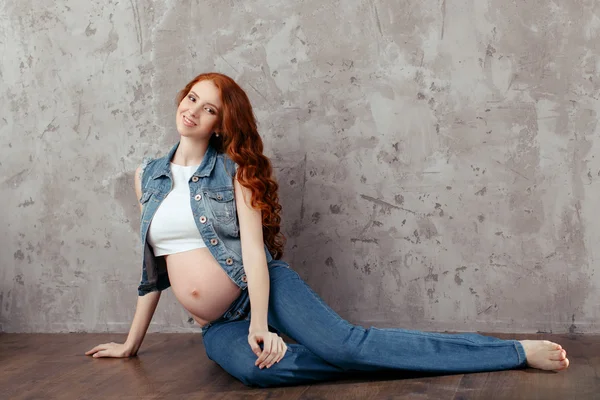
(437, 159)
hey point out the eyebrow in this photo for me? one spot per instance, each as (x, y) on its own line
(194, 93)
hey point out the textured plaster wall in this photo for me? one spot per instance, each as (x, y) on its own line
(438, 159)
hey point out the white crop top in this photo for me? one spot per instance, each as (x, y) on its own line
(173, 229)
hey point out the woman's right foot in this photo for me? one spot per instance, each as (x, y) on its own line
(546, 355)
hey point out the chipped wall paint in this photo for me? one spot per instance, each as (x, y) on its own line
(437, 160)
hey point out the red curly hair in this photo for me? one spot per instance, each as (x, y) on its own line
(239, 139)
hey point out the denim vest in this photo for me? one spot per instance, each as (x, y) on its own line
(214, 209)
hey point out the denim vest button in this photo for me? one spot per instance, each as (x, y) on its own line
(229, 261)
(214, 242)
(244, 279)
(195, 179)
(198, 197)
(203, 219)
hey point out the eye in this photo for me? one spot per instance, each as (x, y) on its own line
(192, 98)
(210, 110)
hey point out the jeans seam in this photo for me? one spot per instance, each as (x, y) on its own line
(517, 350)
(457, 341)
(298, 349)
(436, 336)
(522, 360)
(318, 298)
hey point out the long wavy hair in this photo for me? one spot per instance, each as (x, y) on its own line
(239, 139)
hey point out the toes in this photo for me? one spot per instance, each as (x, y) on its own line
(564, 364)
(558, 355)
(555, 346)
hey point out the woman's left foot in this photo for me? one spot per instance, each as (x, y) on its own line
(546, 355)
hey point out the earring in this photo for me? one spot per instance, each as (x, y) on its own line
(216, 134)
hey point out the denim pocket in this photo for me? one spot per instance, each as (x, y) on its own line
(145, 197)
(222, 204)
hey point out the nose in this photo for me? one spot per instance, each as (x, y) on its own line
(194, 111)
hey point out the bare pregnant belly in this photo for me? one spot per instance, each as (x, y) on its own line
(200, 284)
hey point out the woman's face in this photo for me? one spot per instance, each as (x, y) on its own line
(199, 112)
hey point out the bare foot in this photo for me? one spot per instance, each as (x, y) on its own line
(543, 354)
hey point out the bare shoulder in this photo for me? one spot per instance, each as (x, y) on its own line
(242, 192)
(137, 181)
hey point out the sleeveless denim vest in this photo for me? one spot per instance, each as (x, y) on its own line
(213, 206)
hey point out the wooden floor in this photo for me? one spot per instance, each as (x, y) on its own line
(175, 366)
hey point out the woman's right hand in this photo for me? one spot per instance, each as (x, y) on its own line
(112, 349)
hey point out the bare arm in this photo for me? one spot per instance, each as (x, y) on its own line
(146, 305)
(257, 271)
(254, 258)
(144, 310)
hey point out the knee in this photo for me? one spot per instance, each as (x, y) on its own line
(345, 354)
(240, 365)
(245, 371)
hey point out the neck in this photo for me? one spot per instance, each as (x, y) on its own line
(190, 152)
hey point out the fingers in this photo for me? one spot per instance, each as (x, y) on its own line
(257, 350)
(97, 348)
(274, 348)
(105, 350)
(273, 352)
(267, 350)
(254, 346)
(101, 353)
(283, 350)
(278, 351)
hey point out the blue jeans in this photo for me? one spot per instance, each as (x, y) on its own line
(330, 347)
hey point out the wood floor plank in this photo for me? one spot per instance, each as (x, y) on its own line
(471, 385)
(175, 366)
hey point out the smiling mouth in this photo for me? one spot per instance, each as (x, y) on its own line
(188, 122)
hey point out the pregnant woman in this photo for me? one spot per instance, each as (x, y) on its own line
(210, 229)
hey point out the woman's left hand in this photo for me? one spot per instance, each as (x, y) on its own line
(274, 347)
